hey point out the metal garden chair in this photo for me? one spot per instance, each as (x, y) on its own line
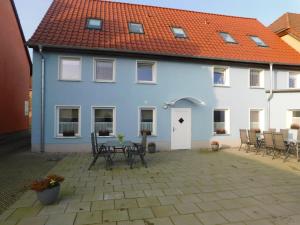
(285, 133)
(244, 138)
(138, 149)
(280, 145)
(252, 139)
(268, 142)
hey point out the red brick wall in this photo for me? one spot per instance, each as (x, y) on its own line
(14, 73)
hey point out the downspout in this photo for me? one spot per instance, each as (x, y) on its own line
(270, 95)
(42, 136)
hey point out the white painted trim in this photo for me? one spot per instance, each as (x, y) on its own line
(114, 108)
(227, 76)
(189, 110)
(56, 120)
(60, 57)
(154, 108)
(154, 72)
(113, 60)
(228, 125)
(261, 78)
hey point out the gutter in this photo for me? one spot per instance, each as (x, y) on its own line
(270, 95)
(42, 135)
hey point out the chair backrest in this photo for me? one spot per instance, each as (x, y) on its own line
(243, 136)
(252, 137)
(298, 135)
(143, 145)
(279, 141)
(268, 137)
(93, 141)
(285, 133)
(272, 130)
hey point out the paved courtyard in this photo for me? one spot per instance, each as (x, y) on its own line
(178, 188)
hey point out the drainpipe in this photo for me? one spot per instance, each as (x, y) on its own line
(270, 95)
(42, 137)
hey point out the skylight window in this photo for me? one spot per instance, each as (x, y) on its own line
(178, 32)
(136, 28)
(227, 38)
(258, 41)
(94, 24)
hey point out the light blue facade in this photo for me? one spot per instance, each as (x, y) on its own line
(175, 79)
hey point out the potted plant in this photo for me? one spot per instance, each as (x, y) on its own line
(151, 147)
(103, 133)
(47, 189)
(257, 130)
(215, 145)
(148, 132)
(120, 138)
(295, 126)
(68, 133)
(221, 131)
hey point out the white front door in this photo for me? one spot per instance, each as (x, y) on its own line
(181, 128)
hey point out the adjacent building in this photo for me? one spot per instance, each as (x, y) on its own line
(185, 77)
(15, 72)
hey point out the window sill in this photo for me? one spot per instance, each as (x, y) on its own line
(64, 137)
(104, 81)
(256, 87)
(222, 86)
(70, 80)
(144, 82)
(111, 136)
(221, 135)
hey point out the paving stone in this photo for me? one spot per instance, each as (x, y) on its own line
(83, 218)
(209, 206)
(158, 221)
(211, 218)
(148, 202)
(140, 213)
(234, 215)
(259, 222)
(78, 207)
(168, 200)
(113, 195)
(153, 193)
(185, 220)
(164, 211)
(172, 191)
(189, 198)
(53, 209)
(21, 213)
(115, 215)
(135, 222)
(125, 204)
(102, 205)
(61, 219)
(40, 220)
(256, 212)
(186, 208)
(134, 194)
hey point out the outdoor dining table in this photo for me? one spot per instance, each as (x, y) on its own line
(116, 147)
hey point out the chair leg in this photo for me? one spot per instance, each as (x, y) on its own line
(93, 162)
(287, 154)
(240, 147)
(143, 161)
(132, 161)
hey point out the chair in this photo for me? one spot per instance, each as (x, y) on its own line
(252, 139)
(138, 149)
(99, 150)
(285, 133)
(244, 138)
(268, 141)
(272, 130)
(279, 144)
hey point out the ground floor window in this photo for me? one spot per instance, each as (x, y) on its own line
(294, 119)
(68, 121)
(104, 121)
(221, 121)
(147, 122)
(257, 119)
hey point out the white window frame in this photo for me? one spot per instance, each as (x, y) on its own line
(154, 126)
(297, 73)
(227, 124)
(261, 79)
(60, 58)
(154, 72)
(56, 121)
(227, 76)
(261, 118)
(104, 60)
(114, 108)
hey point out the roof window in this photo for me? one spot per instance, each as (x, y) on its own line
(228, 38)
(179, 32)
(94, 24)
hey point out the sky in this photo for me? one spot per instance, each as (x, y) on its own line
(31, 12)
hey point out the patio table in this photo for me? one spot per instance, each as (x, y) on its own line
(116, 147)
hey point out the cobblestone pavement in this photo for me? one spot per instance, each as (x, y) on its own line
(17, 170)
(178, 188)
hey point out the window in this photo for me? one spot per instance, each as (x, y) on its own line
(94, 24)
(228, 38)
(136, 28)
(104, 121)
(258, 41)
(178, 32)
(220, 76)
(68, 121)
(147, 121)
(104, 70)
(256, 78)
(221, 121)
(257, 119)
(146, 72)
(294, 80)
(70, 68)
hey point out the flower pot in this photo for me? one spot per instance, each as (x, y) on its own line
(69, 133)
(151, 147)
(49, 196)
(215, 147)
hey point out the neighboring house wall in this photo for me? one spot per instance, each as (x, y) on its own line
(293, 42)
(175, 79)
(14, 73)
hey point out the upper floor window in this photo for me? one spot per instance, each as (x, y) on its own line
(221, 121)
(104, 119)
(179, 32)
(146, 72)
(94, 24)
(227, 37)
(70, 68)
(104, 70)
(68, 121)
(294, 80)
(147, 121)
(221, 76)
(258, 41)
(136, 28)
(256, 78)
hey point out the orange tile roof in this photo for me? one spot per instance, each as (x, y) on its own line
(288, 23)
(64, 25)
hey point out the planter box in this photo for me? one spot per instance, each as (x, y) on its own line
(104, 133)
(69, 133)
